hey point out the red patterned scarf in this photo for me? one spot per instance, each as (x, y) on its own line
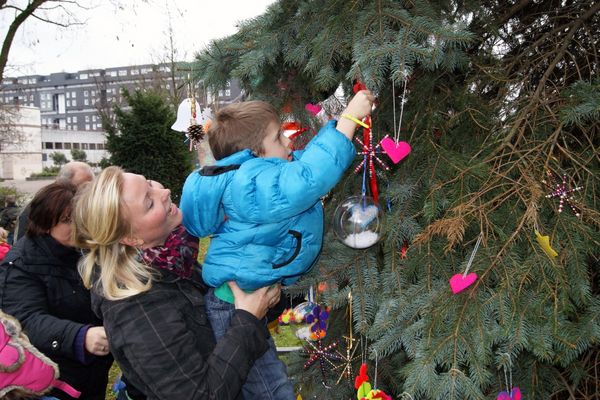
(179, 254)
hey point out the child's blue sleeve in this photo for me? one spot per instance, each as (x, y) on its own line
(201, 208)
(284, 189)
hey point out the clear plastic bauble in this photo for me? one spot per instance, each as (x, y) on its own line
(357, 222)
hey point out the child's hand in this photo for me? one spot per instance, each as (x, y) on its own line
(361, 104)
(359, 107)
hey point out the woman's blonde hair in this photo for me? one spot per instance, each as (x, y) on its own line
(100, 222)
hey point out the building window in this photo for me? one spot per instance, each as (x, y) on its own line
(58, 146)
(122, 72)
(87, 127)
(68, 95)
(93, 118)
(73, 94)
(87, 118)
(83, 76)
(84, 146)
(44, 157)
(48, 145)
(85, 93)
(227, 92)
(74, 119)
(86, 102)
(68, 146)
(69, 120)
(68, 103)
(100, 146)
(92, 146)
(76, 145)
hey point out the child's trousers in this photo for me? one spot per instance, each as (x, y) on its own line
(268, 378)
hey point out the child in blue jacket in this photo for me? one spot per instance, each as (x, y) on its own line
(260, 202)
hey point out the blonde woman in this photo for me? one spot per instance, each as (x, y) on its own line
(141, 267)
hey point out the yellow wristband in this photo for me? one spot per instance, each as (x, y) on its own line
(356, 121)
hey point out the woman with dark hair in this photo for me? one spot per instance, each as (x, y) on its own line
(40, 286)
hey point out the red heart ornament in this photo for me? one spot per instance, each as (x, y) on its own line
(458, 283)
(314, 109)
(395, 151)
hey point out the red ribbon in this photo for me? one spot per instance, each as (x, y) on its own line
(358, 86)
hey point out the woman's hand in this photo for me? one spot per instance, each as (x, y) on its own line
(258, 302)
(359, 107)
(96, 342)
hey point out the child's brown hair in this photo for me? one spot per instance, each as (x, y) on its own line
(240, 126)
(3, 235)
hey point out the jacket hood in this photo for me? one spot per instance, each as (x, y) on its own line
(203, 190)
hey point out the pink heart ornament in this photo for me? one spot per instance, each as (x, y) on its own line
(515, 394)
(395, 151)
(458, 283)
(314, 109)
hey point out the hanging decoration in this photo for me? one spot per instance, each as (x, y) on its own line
(511, 393)
(314, 315)
(325, 355)
(313, 109)
(544, 242)
(560, 189)
(396, 149)
(368, 150)
(357, 221)
(460, 282)
(364, 391)
(404, 250)
(349, 357)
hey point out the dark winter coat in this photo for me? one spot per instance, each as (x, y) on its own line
(40, 286)
(164, 344)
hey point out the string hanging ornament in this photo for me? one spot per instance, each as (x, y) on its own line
(460, 282)
(349, 357)
(195, 131)
(396, 149)
(357, 220)
(511, 392)
(561, 190)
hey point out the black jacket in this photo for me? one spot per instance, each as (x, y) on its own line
(40, 286)
(164, 344)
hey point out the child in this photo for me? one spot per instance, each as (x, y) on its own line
(261, 203)
(4, 246)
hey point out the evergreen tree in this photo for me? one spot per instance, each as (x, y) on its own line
(141, 141)
(498, 94)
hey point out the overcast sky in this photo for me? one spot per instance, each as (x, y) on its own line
(136, 33)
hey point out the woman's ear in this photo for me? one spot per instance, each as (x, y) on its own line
(131, 241)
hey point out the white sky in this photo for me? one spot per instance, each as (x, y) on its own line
(136, 33)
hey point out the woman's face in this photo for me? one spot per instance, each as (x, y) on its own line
(61, 232)
(152, 214)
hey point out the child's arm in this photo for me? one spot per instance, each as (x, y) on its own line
(359, 107)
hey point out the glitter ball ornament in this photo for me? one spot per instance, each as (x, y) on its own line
(357, 222)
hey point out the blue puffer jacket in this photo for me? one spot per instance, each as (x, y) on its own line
(265, 216)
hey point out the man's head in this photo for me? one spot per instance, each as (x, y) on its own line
(76, 172)
(241, 126)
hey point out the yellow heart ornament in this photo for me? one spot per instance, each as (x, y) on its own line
(544, 242)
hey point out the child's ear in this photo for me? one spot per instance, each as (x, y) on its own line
(131, 241)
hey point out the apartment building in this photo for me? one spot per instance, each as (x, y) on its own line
(69, 102)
